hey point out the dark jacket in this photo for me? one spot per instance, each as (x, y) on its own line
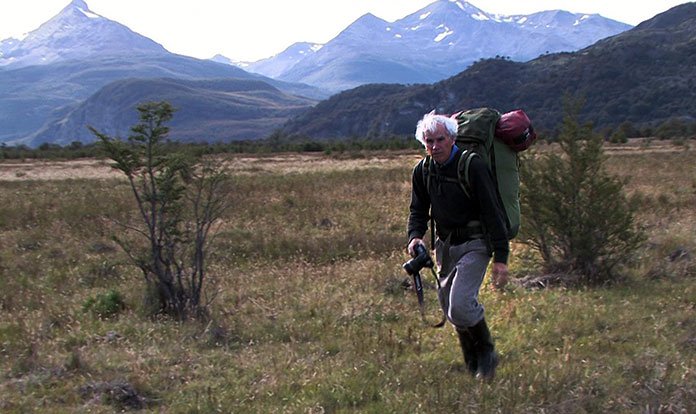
(452, 209)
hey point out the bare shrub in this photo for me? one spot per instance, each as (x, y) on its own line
(179, 200)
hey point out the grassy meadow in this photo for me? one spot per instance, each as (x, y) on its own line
(309, 312)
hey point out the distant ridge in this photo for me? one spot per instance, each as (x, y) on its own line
(207, 110)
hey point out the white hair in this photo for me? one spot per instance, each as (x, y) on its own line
(431, 121)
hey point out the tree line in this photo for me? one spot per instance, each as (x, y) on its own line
(675, 129)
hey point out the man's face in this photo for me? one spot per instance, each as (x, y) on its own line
(439, 144)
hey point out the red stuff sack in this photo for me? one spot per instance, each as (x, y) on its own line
(516, 130)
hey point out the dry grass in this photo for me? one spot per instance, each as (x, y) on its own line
(310, 314)
(11, 170)
(55, 170)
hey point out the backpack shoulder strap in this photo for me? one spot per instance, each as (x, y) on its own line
(463, 170)
(425, 166)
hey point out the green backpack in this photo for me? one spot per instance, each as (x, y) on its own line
(476, 137)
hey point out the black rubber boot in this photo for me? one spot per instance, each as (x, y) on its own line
(466, 341)
(486, 357)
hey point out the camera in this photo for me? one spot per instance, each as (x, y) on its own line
(421, 260)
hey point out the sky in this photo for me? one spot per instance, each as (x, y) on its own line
(249, 30)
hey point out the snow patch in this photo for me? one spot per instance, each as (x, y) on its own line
(89, 13)
(480, 17)
(579, 21)
(458, 4)
(398, 36)
(443, 35)
(523, 20)
(424, 16)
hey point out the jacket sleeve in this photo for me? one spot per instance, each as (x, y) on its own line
(420, 205)
(492, 214)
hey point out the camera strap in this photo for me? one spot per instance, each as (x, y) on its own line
(444, 317)
(432, 232)
(418, 284)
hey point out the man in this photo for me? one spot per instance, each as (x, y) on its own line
(469, 231)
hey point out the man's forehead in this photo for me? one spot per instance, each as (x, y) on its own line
(440, 130)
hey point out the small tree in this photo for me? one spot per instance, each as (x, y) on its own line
(575, 214)
(178, 202)
(676, 128)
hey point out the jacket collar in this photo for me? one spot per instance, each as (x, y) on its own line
(453, 154)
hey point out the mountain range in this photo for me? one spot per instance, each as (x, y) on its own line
(82, 69)
(434, 43)
(643, 76)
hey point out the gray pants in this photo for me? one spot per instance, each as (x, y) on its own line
(462, 268)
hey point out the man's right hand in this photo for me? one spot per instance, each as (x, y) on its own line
(412, 245)
(500, 275)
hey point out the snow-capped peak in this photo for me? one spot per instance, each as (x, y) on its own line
(81, 7)
(74, 33)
